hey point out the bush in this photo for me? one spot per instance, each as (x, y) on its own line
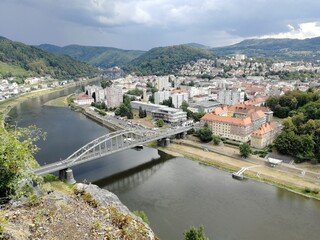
(50, 178)
(143, 216)
(216, 140)
(159, 123)
(195, 234)
(191, 131)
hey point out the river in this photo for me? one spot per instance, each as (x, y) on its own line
(175, 193)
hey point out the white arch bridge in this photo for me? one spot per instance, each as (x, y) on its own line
(105, 145)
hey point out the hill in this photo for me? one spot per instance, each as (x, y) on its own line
(20, 60)
(282, 49)
(197, 45)
(103, 57)
(166, 60)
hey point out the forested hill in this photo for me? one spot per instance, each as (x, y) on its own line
(104, 57)
(282, 49)
(166, 60)
(18, 59)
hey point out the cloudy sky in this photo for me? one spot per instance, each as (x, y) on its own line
(143, 24)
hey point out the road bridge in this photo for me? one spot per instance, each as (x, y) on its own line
(106, 145)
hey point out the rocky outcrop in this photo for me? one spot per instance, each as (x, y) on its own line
(85, 212)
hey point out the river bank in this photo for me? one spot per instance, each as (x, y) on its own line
(7, 105)
(224, 160)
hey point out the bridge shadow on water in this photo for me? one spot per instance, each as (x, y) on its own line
(134, 176)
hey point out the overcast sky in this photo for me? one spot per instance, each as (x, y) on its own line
(144, 24)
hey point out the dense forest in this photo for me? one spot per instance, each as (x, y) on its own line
(18, 59)
(103, 57)
(301, 133)
(166, 60)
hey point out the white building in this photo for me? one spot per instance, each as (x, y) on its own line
(230, 97)
(114, 96)
(205, 106)
(170, 115)
(162, 83)
(178, 98)
(160, 96)
(149, 107)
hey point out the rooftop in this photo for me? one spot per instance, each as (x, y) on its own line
(230, 120)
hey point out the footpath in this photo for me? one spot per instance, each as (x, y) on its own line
(285, 175)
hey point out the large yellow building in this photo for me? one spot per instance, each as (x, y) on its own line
(238, 122)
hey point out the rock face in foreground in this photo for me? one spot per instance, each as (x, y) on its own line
(86, 213)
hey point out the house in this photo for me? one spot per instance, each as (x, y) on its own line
(83, 99)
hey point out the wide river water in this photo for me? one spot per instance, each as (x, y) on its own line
(175, 193)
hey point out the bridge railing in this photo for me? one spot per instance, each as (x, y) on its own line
(108, 144)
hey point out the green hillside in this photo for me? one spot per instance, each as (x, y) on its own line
(283, 49)
(104, 57)
(18, 59)
(166, 60)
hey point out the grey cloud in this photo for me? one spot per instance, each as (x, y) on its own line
(147, 23)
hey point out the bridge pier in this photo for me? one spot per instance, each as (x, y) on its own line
(66, 175)
(164, 142)
(167, 142)
(183, 135)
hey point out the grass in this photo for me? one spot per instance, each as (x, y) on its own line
(58, 102)
(308, 192)
(6, 69)
(58, 186)
(147, 121)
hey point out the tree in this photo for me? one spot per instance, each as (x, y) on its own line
(184, 106)
(245, 150)
(17, 150)
(141, 113)
(168, 102)
(129, 115)
(205, 133)
(195, 234)
(105, 83)
(159, 123)
(216, 140)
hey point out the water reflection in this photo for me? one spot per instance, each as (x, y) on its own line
(134, 176)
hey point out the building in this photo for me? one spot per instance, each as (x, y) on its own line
(265, 135)
(162, 83)
(149, 107)
(114, 96)
(204, 106)
(170, 115)
(230, 97)
(160, 96)
(238, 129)
(83, 99)
(178, 98)
(96, 92)
(238, 122)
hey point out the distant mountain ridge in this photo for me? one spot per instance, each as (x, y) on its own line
(103, 57)
(283, 49)
(167, 60)
(18, 59)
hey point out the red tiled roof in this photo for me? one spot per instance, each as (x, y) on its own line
(265, 128)
(230, 120)
(83, 96)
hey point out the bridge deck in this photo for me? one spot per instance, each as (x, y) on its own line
(108, 144)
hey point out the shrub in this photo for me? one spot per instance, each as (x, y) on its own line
(143, 216)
